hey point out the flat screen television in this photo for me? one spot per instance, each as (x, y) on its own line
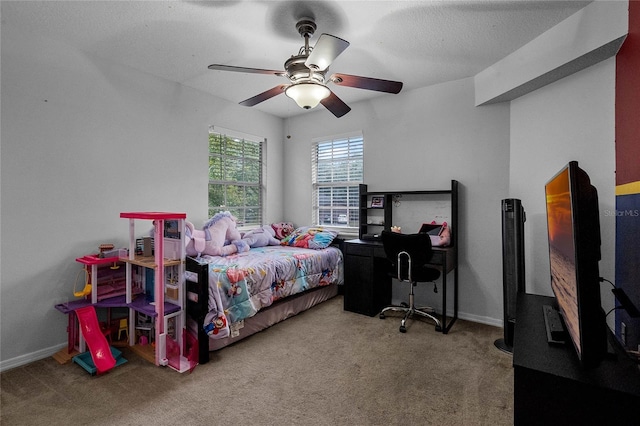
(573, 227)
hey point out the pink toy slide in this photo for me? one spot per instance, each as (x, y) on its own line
(97, 343)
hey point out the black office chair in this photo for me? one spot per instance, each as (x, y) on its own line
(408, 255)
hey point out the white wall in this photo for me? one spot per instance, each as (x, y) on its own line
(82, 141)
(422, 139)
(572, 119)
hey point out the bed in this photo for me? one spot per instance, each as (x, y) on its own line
(255, 290)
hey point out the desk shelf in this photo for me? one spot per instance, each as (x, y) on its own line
(366, 231)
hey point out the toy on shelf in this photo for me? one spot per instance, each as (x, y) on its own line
(105, 248)
(123, 327)
(106, 255)
(101, 352)
(144, 328)
(105, 283)
(87, 284)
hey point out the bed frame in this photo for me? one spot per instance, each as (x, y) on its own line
(197, 308)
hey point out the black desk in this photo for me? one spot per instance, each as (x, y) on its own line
(368, 286)
(550, 387)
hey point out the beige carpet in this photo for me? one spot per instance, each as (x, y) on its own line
(325, 366)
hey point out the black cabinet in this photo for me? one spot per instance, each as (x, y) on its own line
(550, 386)
(367, 285)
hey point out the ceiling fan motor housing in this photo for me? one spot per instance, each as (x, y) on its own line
(298, 72)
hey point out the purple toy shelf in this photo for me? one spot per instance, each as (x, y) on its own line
(140, 304)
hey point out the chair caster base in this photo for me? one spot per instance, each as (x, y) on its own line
(403, 329)
(382, 316)
(438, 328)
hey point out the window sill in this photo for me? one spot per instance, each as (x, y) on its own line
(343, 231)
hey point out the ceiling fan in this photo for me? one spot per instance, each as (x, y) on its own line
(306, 73)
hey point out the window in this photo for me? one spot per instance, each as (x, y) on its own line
(337, 166)
(235, 175)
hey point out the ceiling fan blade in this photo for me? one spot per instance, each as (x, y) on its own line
(243, 69)
(327, 49)
(367, 83)
(264, 95)
(335, 105)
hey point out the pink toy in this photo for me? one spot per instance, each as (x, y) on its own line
(219, 237)
(282, 229)
(443, 238)
(267, 235)
(97, 343)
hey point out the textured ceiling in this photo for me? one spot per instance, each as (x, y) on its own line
(420, 43)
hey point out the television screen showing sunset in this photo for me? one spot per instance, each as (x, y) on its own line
(562, 251)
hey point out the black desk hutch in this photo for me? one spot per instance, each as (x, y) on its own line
(367, 285)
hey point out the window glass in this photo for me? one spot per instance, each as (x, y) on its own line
(235, 176)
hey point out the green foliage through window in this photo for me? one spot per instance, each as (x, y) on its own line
(235, 177)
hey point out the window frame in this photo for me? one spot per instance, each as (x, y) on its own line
(249, 215)
(353, 144)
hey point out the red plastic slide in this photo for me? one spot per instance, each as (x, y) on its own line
(97, 343)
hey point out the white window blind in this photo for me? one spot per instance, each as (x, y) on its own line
(337, 170)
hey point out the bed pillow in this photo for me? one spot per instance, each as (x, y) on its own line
(313, 237)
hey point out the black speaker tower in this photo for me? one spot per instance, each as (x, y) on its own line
(513, 279)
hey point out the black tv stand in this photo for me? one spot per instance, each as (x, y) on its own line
(550, 385)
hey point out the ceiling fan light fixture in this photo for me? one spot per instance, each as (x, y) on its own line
(307, 71)
(307, 95)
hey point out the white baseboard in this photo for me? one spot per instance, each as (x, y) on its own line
(31, 357)
(467, 317)
(482, 320)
